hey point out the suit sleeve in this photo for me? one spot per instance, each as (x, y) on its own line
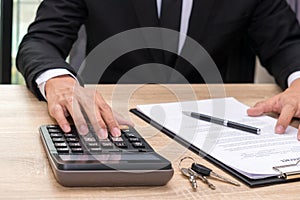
(49, 39)
(275, 35)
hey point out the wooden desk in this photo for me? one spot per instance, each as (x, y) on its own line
(26, 174)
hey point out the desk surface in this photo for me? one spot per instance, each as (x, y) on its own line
(26, 174)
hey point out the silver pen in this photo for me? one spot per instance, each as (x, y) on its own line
(223, 122)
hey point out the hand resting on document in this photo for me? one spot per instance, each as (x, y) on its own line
(286, 104)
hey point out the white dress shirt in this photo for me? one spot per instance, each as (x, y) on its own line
(185, 17)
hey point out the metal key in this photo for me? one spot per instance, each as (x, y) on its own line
(204, 171)
(203, 179)
(191, 176)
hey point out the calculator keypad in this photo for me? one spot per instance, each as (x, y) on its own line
(73, 143)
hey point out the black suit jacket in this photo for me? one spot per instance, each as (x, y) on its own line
(222, 27)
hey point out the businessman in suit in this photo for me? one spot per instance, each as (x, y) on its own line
(222, 27)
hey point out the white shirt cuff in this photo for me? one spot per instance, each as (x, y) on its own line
(44, 77)
(293, 77)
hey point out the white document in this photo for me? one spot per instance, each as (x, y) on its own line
(250, 154)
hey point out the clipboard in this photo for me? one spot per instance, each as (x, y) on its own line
(284, 177)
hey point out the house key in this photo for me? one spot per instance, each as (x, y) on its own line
(191, 176)
(203, 179)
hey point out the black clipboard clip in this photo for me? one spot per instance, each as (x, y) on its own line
(288, 175)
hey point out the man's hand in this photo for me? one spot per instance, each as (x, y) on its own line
(287, 104)
(66, 97)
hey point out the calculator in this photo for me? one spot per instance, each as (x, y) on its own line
(128, 160)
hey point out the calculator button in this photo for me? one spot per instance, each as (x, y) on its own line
(130, 135)
(56, 135)
(89, 139)
(106, 144)
(70, 135)
(104, 140)
(72, 139)
(117, 139)
(52, 126)
(138, 145)
(121, 144)
(54, 130)
(77, 150)
(92, 144)
(58, 139)
(62, 144)
(134, 139)
(125, 130)
(62, 150)
(74, 144)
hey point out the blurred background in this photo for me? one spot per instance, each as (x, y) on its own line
(23, 14)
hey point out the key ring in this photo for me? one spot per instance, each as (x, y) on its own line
(185, 158)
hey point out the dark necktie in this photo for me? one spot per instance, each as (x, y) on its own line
(170, 18)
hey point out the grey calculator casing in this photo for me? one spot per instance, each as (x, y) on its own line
(148, 173)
